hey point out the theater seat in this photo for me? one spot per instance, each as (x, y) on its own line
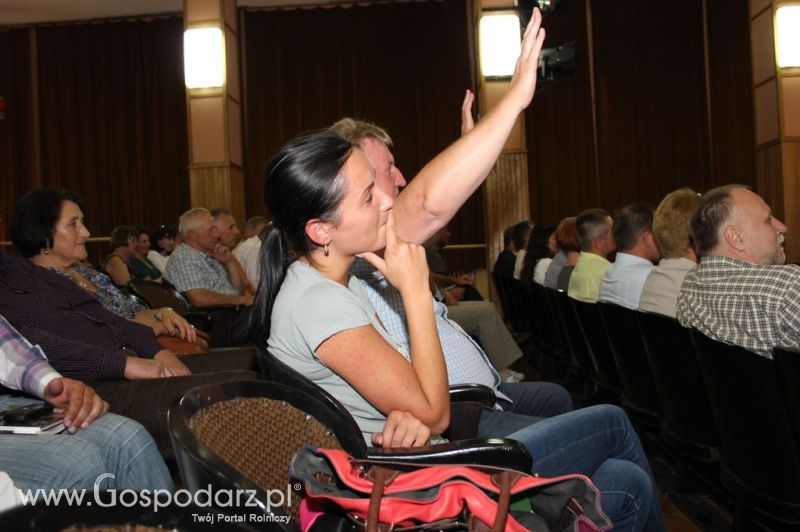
(760, 457)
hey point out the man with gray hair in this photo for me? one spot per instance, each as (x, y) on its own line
(597, 243)
(741, 293)
(201, 267)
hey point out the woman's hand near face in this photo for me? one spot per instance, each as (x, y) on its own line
(404, 263)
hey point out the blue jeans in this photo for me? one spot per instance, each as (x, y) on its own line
(111, 444)
(598, 442)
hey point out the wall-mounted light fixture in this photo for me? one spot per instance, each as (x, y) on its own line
(203, 58)
(787, 35)
(500, 41)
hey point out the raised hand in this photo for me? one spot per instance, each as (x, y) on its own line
(523, 82)
(467, 122)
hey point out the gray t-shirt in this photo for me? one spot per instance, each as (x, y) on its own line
(311, 308)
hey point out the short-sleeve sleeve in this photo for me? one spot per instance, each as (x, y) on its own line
(324, 310)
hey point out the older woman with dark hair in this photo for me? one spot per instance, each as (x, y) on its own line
(48, 229)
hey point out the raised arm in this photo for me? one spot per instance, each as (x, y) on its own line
(444, 184)
(374, 368)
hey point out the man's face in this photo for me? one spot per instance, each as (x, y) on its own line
(205, 235)
(760, 233)
(388, 177)
(228, 232)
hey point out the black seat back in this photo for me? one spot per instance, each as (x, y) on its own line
(629, 353)
(787, 364)
(687, 423)
(594, 332)
(760, 458)
(571, 333)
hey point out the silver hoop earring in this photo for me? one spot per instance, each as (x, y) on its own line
(325, 250)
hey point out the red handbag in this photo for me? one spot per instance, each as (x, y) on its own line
(457, 497)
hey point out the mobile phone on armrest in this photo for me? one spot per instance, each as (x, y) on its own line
(27, 413)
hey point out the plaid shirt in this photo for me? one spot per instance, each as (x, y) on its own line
(22, 366)
(189, 268)
(466, 362)
(737, 302)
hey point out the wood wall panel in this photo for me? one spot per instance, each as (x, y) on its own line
(505, 206)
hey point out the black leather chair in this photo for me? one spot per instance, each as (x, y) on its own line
(515, 307)
(594, 333)
(241, 436)
(687, 422)
(554, 359)
(787, 364)
(639, 393)
(760, 457)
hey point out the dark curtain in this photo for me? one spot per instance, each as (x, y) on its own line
(15, 130)
(558, 127)
(403, 66)
(113, 119)
(656, 130)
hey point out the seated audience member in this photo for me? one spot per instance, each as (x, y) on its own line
(228, 237)
(86, 342)
(597, 243)
(671, 229)
(163, 244)
(97, 443)
(310, 311)
(204, 270)
(637, 252)
(466, 361)
(560, 270)
(123, 246)
(459, 287)
(139, 265)
(538, 255)
(506, 264)
(58, 213)
(201, 266)
(741, 293)
(247, 250)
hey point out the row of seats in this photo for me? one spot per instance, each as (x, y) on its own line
(709, 402)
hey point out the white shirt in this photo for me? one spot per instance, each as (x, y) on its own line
(541, 270)
(623, 281)
(158, 260)
(247, 254)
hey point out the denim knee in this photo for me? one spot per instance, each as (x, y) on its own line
(626, 493)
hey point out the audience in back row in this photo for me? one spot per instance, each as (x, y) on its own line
(597, 243)
(637, 252)
(560, 269)
(139, 264)
(538, 255)
(515, 240)
(671, 229)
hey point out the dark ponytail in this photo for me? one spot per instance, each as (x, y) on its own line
(302, 182)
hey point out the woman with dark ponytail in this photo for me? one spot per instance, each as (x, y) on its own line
(315, 317)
